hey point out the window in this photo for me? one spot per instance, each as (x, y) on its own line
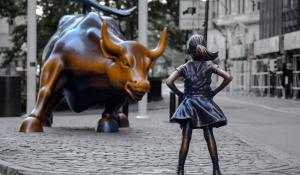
(287, 4)
(217, 10)
(238, 6)
(294, 4)
(229, 6)
(214, 9)
(226, 7)
(242, 6)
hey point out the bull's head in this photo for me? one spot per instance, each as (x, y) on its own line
(131, 62)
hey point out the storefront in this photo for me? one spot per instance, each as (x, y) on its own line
(264, 72)
(239, 69)
(292, 59)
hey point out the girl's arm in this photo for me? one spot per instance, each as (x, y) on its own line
(226, 79)
(170, 83)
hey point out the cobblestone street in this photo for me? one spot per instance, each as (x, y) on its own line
(149, 146)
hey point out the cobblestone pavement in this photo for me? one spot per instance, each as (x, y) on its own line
(149, 146)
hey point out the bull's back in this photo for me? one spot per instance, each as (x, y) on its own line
(71, 27)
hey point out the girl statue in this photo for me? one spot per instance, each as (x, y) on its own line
(198, 110)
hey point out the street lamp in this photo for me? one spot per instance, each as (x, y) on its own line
(206, 19)
(31, 55)
(142, 31)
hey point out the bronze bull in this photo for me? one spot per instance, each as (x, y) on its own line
(87, 64)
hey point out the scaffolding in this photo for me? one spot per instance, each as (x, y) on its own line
(260, 77)
(279, 87)
(296, 76)
(240, 71)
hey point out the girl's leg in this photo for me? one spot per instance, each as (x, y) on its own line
(185, 143)
(212, 148)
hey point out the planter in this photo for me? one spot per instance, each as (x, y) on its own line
(10, 95)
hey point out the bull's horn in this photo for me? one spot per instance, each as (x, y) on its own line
(105, 9)
(107, 43)
(160, 48)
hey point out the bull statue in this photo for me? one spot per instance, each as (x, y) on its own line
(87, 63)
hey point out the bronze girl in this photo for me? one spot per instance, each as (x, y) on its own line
(198, 110)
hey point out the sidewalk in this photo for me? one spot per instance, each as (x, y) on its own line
(149, 146)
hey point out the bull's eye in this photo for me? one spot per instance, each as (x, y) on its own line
(125, 63)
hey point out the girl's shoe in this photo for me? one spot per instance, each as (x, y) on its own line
(180, 170)
(217, 172)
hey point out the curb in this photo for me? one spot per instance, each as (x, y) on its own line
(5, 169)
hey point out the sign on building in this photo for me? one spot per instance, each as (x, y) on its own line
(191, 14)
(268, 45)
(292, 41)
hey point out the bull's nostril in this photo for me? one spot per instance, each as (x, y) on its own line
(135, 81)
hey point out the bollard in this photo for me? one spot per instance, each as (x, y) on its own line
(172, 103)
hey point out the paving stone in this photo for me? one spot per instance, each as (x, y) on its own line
(149, 146)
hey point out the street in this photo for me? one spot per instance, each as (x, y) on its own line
(260, 138)
(267, 121)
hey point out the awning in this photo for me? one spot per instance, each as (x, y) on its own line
(268, 45)
(292, 41)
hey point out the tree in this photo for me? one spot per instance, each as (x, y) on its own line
(161, 13)
(11, 10)
(47, 22)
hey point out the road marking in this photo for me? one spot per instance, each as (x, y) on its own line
(260, 105)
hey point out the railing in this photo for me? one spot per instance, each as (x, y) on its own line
(296, 83)
(260, 83)
(279, 87)
(296, 80)
(239, 71)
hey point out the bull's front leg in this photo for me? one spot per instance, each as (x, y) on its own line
(112, 117)
(49, 95)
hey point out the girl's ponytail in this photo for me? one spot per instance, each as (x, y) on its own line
(203, 54)
(197, 51)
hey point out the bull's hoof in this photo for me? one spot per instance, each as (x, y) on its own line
(123, 120)
(48, 120)
(31, 124)
(47, 124)
(107, 124)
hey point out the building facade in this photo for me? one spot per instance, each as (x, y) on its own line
(234, 27)
(259, 42)
(4, 38)
(278, 46)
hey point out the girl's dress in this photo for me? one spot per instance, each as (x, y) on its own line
(198, 105)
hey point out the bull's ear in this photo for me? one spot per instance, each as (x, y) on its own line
(107, 46)
(160, 48)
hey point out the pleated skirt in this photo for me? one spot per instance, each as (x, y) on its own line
(201, 110)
